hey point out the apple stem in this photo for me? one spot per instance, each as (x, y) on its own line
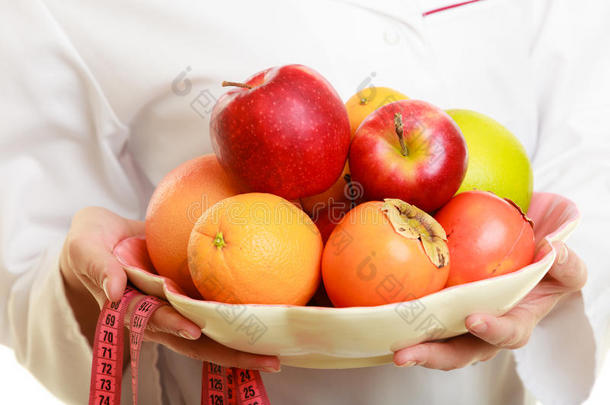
(399, 132)
(237, 84)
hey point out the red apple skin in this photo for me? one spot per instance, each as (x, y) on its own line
(288, 135)
(432, 171)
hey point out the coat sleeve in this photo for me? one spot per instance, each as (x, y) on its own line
(61, 149)
(571, 65)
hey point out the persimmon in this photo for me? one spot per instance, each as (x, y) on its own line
(487, 236)
(384, 252)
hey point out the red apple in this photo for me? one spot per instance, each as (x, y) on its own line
(284, 131)
(410, 150)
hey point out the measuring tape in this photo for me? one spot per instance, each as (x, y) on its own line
(219, 385)
(231, 386)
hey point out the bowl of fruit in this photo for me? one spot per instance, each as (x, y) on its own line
(332, 234)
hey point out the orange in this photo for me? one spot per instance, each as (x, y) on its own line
(362, 104)
(384, 252)
(255, 248)
(178, 201)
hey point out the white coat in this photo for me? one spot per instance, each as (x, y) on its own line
(98, 100)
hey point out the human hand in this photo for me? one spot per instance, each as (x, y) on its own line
(92, 275)
(489, 334)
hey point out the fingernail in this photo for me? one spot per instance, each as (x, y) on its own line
(271, 370)
(478, 326)
(105, 288)
(563, 254)
(409, 363)
(185, 334)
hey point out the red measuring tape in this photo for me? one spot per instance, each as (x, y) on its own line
(231, 386)
(219, 385)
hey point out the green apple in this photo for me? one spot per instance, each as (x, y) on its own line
(497, 161)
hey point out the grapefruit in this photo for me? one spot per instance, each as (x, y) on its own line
(181, 197)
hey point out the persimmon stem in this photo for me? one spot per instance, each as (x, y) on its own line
(237, 84)
(399, 132)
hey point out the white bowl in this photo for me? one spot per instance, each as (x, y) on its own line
(322, 337)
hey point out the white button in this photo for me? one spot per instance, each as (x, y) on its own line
(391, 38)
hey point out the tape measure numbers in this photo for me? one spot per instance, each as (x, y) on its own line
(231, 386)
(220, 385)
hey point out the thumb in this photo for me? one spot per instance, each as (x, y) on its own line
(104, 271)
(114, 280)
(569, 270)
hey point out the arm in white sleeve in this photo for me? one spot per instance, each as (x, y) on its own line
(61, 149)
(571, 62)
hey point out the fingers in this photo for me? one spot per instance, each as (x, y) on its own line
(206, 349)
(513, 330)
(489, 334)
(99, 266)
(568, 270)
(87, 260)
(168, 327)
(454, 353)
(510, 331)
(135, 227)
(167, 320)
(93, 235)
(113, 278)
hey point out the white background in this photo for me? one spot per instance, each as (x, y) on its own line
(17, 386)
